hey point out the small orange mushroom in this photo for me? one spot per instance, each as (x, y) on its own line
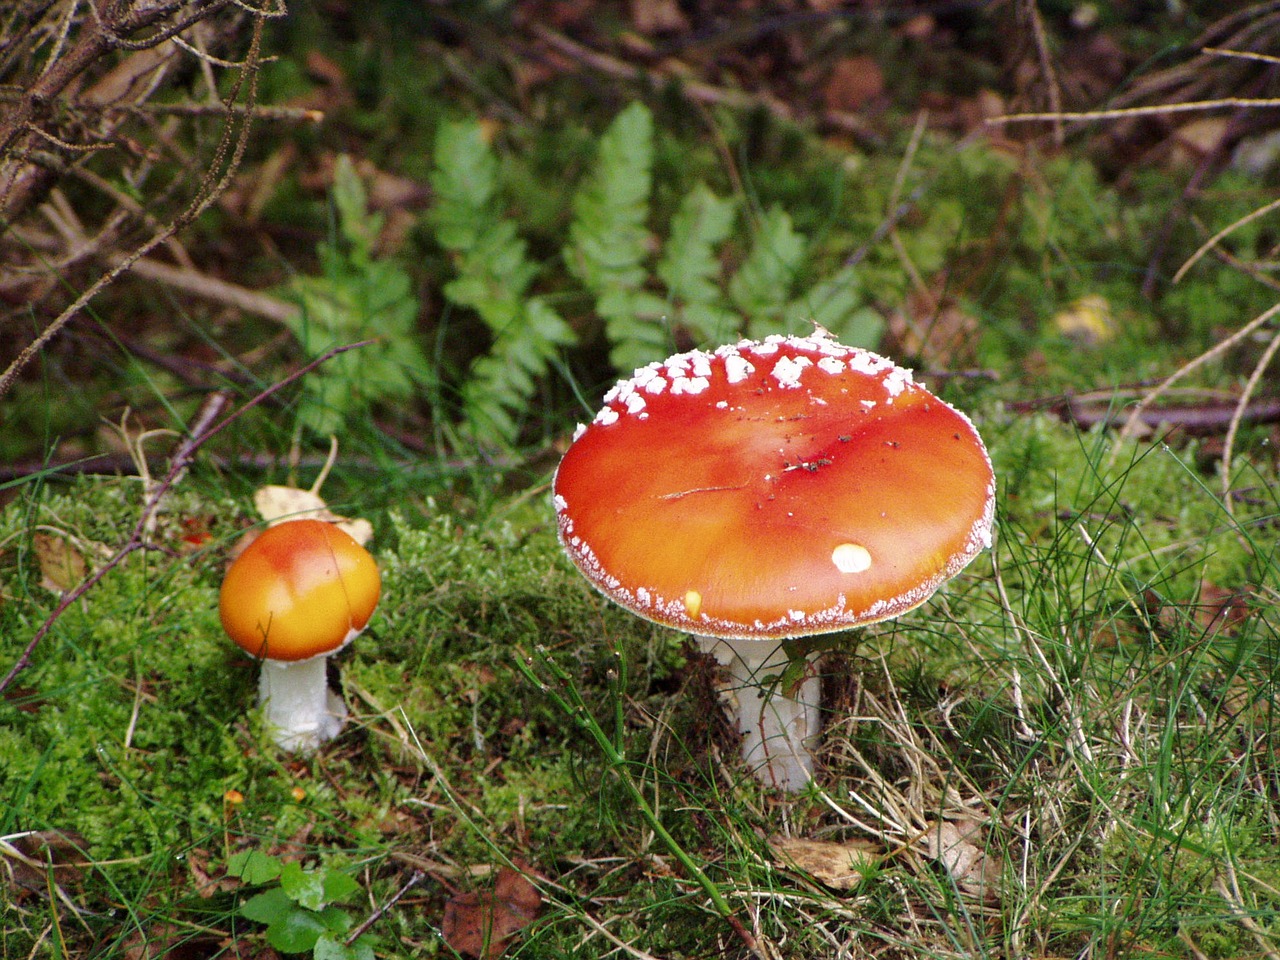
(297, 594)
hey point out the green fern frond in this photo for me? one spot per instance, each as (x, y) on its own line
(837, 304)
(690, 267)
(357, 297)
(609, 242)
(493, 277)
(761, 287)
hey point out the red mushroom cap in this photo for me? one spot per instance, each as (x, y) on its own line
(301, 589)
(773, 489)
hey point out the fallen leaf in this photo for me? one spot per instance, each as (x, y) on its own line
(1194, 141)
(1216, 609)
(961, 848)
(838, 865)
(278, 504)
(483, 924)
(174, 943)
(61, 565)
(208, 882)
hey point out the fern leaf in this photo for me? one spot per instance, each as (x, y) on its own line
(465, 180)
(493, 277)
(690, 268)
(357, 297)
(608, 241)
(838, 305)
(762, 285)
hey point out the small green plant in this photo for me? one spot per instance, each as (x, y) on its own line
(493, 276)
(358, 296)
(298, 906)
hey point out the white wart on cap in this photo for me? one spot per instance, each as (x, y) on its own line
(773, 489)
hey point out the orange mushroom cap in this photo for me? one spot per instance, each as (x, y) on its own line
(773, 489)
(301, 589)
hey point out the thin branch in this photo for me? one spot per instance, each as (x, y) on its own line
(211, 188)
(1135, 417)
(219, 291)
(1218, 237)
(414, 879)
(1046, 68)
(1263, 103)
(1250, 388)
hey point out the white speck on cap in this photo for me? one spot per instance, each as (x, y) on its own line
(851, 558)
(737, 368)
(787, 371)
(689, 385)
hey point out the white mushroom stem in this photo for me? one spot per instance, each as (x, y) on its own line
(299, 709)
(778, 732)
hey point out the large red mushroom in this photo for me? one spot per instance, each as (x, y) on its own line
(772, 490)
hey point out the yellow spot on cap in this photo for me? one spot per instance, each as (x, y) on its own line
(851, 558)
(692, 602)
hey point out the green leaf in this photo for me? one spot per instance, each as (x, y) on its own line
(338, 886)
(330, 948)
(357, 225)
(837, 304)
(608, 240)
(762, 285)
(253, 866)
(268, 907)
(357, 298)
(689, 266)
(465, 180)
(494, 273)
(297, 932)
(304, 887)
(316, 889)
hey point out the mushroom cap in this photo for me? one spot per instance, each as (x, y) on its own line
(773, 489)
(301, 589)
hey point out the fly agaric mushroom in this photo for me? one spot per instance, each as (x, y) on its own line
(772, 490)
(300, 592)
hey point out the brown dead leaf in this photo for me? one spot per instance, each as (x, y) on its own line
(26, 699)
(838, 865)
(62, 566)
(1217, 609)
(854, 82)
(1195, 140)
(176, 943)
(960, 846)
(208, 882)
(483, 924)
